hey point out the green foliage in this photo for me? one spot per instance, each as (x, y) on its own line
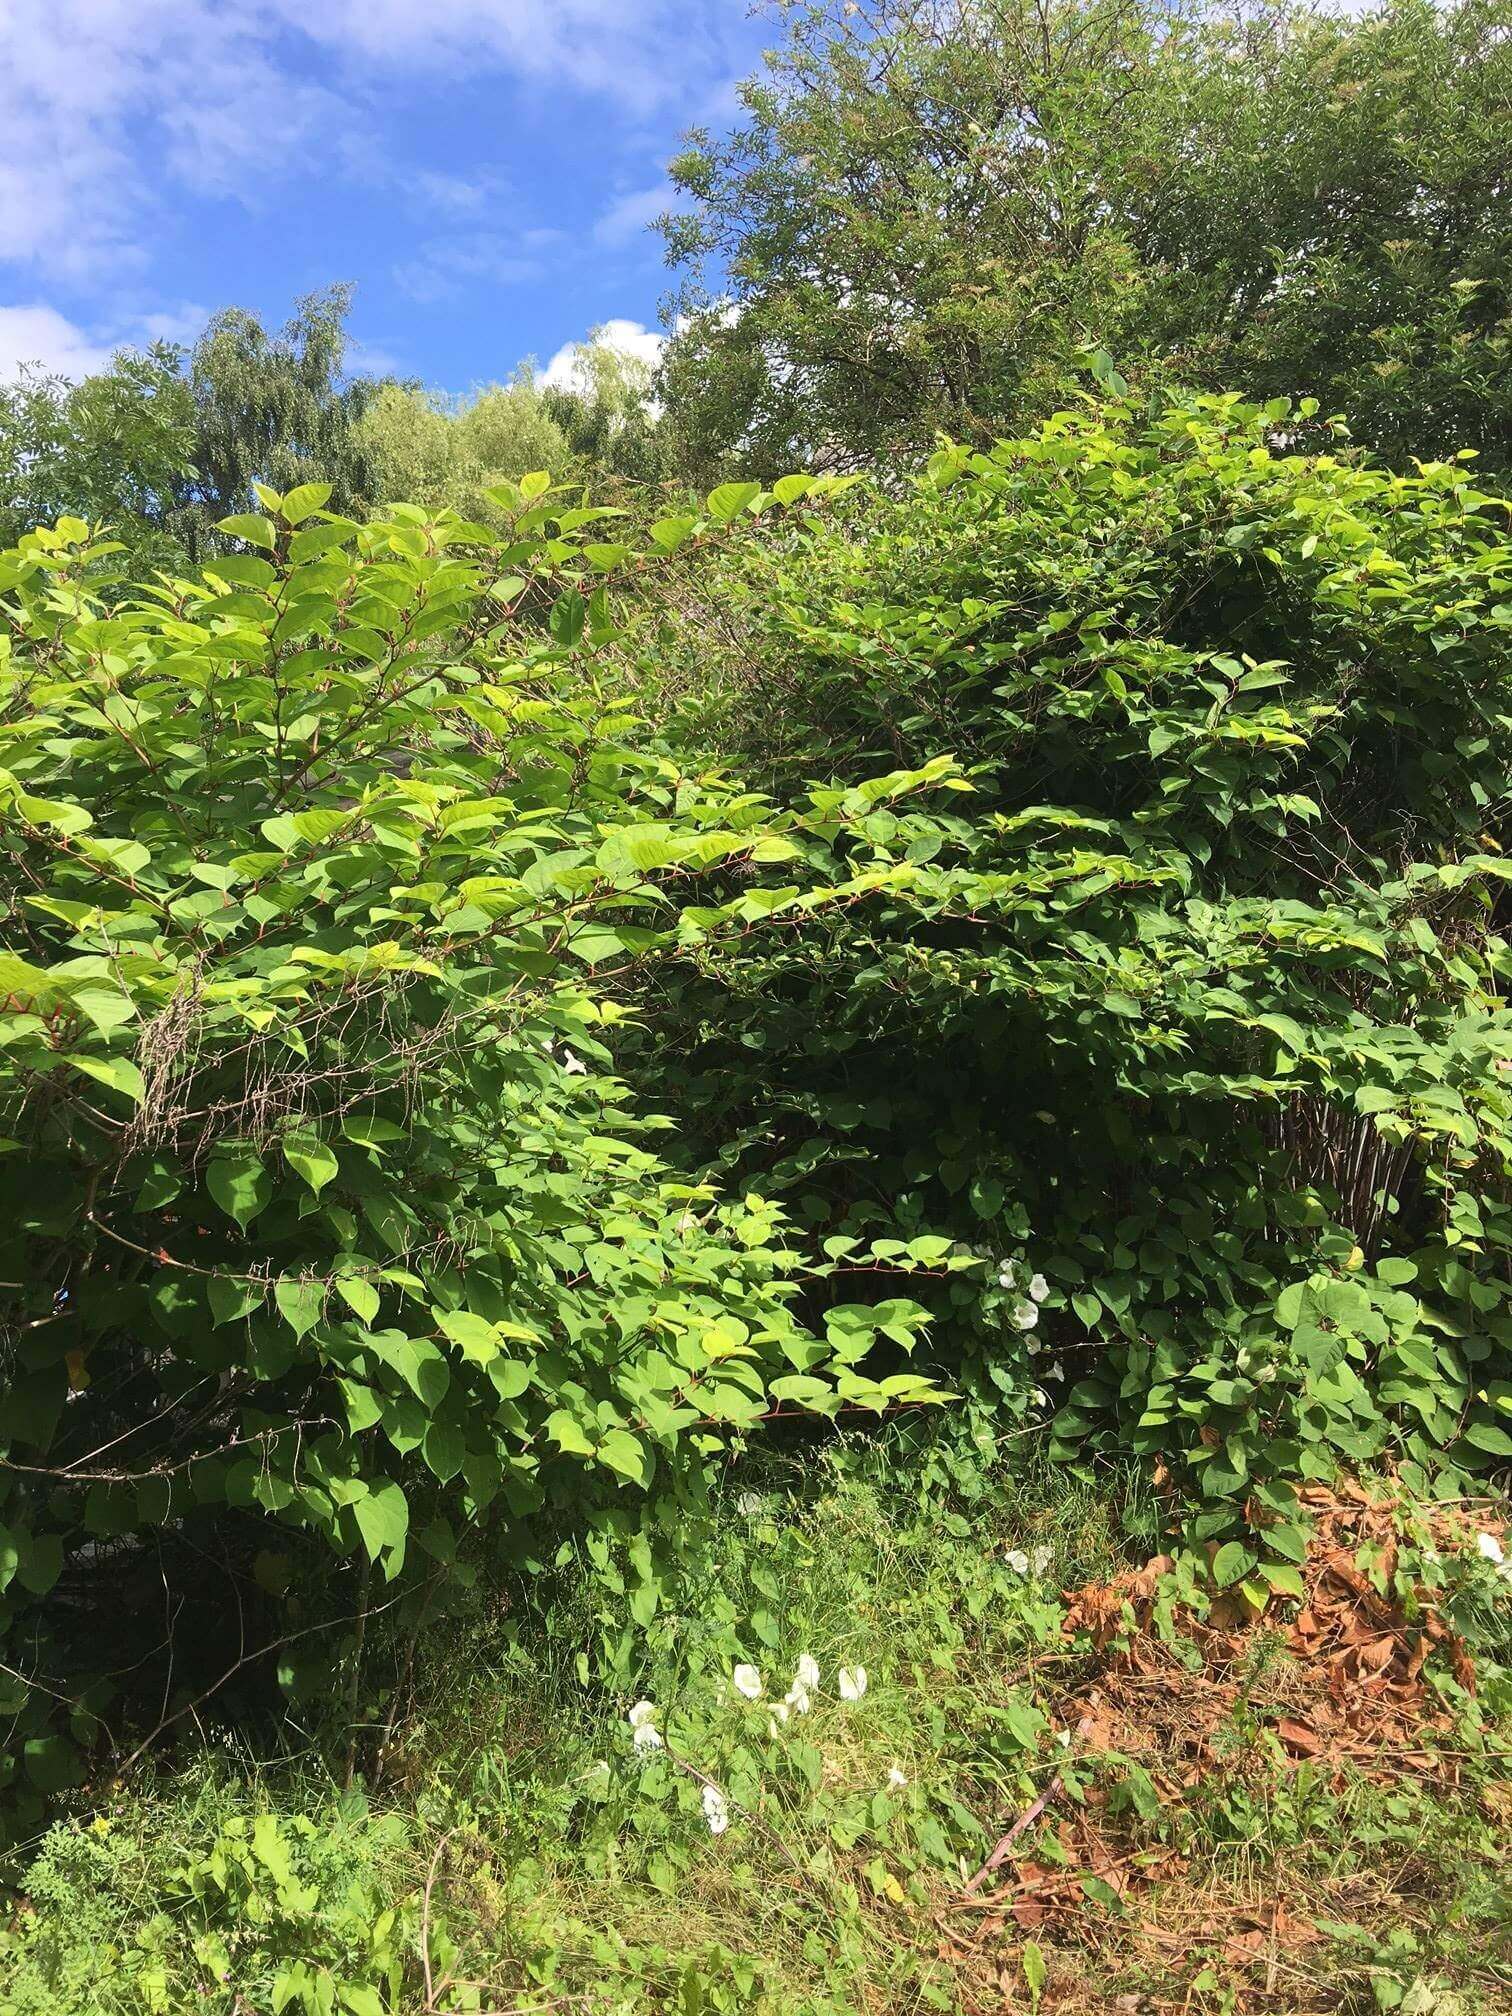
(927, 211)
(331, 875)
(239, 1905)
(113, 447)
(435, 452)
(535, 1849)
(1330, 217)
(164, 443)
(432, 450)
(1185, 1008)
(608, 414)
(280, 410)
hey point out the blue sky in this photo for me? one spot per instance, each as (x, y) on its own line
(482, 169)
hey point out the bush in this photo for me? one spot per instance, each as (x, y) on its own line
(1190, 1010)
(1130, 1005)
(330, 873)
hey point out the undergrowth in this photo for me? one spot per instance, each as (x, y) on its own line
(527, 1845)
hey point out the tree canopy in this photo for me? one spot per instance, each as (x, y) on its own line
(165, 442)
(930, 210)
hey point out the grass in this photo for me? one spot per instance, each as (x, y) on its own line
(520, 1845)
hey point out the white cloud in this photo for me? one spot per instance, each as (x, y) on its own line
(40, 335)
(643, 54)
(104, 103)
(375, 360)
(446, 267)
(453, 193)
(108, 106)
(634, 339)
(37, 334)
(631, 216)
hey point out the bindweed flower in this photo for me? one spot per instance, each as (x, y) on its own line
(573, 1066)
(1053, 1372)
(851, 1681)
(1006, 1274)
(1026, 1314)
(797, 1698)
(1039, 1288)
(746, 1680)
(806, 1673)
(1489, 1549)
(896, 1781)
(716, 1810)
(777, 1718)
(1041, 1558)
(1017, 1560)
(643, 1729)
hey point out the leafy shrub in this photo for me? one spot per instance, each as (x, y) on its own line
(227, 1903)
(329, 874)
(1193, 1005)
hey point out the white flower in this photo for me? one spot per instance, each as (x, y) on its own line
(716, 1812)
(851, 1681)
(1063, 1737)
(797, 1698)
(1026, 1314)
(642, 1719)
(1053, 1372)
(1041, 1559)
(746, 1680)
(1006, 1275)
(573, 1066)
(1489, 1548)
(896, 1781)
(777, 1718)
(807, 1671)
(1017, 1560)
(1039, 1287)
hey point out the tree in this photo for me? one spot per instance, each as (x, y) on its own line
(431, 449)
(930, 211)
(280, 410)
(608, 411)
(1183, 996)
(428, 449)
(1330, 212)
(113, 448)
(164, 443)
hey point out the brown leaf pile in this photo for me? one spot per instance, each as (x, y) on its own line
(1357, 1687)
(1343, 1683)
